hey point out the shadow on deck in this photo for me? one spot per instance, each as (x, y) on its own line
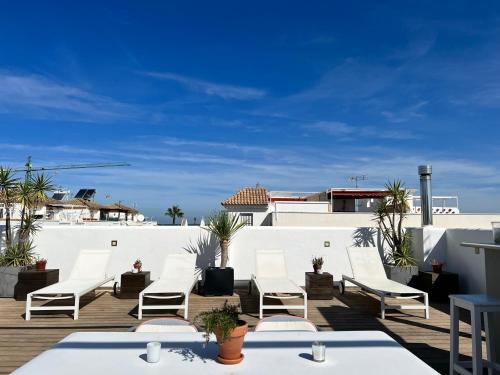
(21, 340)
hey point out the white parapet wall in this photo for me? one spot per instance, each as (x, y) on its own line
(363, 219)
(60, 246)
(464, 261)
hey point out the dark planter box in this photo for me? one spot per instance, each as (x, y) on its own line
(319, 286)
(218, 282)
(8, 280)
(407, 275)
(134, 283)
(31, 280)
(438, 285)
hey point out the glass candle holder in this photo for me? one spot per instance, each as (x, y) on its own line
(153, 351)
(318, 351)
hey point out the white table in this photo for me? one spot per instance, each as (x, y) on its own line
(276, 353)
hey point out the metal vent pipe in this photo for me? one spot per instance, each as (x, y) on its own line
(425, 172)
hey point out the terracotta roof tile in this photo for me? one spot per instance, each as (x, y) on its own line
(249, 196)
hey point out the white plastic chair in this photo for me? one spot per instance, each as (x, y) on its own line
(166, 325)
(281, 322)
(272, 281)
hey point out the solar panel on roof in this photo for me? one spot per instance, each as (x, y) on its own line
(85, 194)
(58, 196)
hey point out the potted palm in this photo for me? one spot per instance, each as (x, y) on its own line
(229, 331)
(400, 264)
(18, 253)
(13, 260)
(220, 280)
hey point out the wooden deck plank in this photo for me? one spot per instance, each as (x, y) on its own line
(22, 340)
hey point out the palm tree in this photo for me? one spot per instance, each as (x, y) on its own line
(224, 226)
(40, 184)
(389, 215)
(25, 197)
(174, 212)
(7, 186)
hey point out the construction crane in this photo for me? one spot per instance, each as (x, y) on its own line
(28, 167)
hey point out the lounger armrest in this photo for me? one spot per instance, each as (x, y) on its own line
(259, 288)
(195, 280)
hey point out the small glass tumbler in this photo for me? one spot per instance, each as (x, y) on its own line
(153, 351)
(318, 351)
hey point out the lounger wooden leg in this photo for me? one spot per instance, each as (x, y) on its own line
(382, 306)
(28, 307)
(77, 308)
(305, 305)
(139, 313)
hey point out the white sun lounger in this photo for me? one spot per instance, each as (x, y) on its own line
(177, 280)
(271, 279)
(369, 274)
(88, 273)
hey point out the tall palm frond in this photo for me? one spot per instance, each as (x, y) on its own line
(224, 226)
(40, 184)
(389, 215)
(7, 194)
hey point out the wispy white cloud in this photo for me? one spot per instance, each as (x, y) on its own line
(179, 142)
(406, 113)
(349, 132)
(211, 88)
(38, 96)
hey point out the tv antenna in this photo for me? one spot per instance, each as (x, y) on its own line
(355, 179)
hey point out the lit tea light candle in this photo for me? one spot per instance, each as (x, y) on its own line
(318, 351)
(153, 351)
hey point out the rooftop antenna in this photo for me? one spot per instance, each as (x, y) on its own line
(355, 179)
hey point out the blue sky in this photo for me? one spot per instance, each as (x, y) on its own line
(203, 98)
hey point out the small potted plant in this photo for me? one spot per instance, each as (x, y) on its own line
(137, 266)
(317, 263)
(437, 266)
(229, 330)
(40, 264)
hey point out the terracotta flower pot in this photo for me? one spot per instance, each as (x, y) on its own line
(318, 270)
(230, 350)
(437, 268)
(40, 266)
